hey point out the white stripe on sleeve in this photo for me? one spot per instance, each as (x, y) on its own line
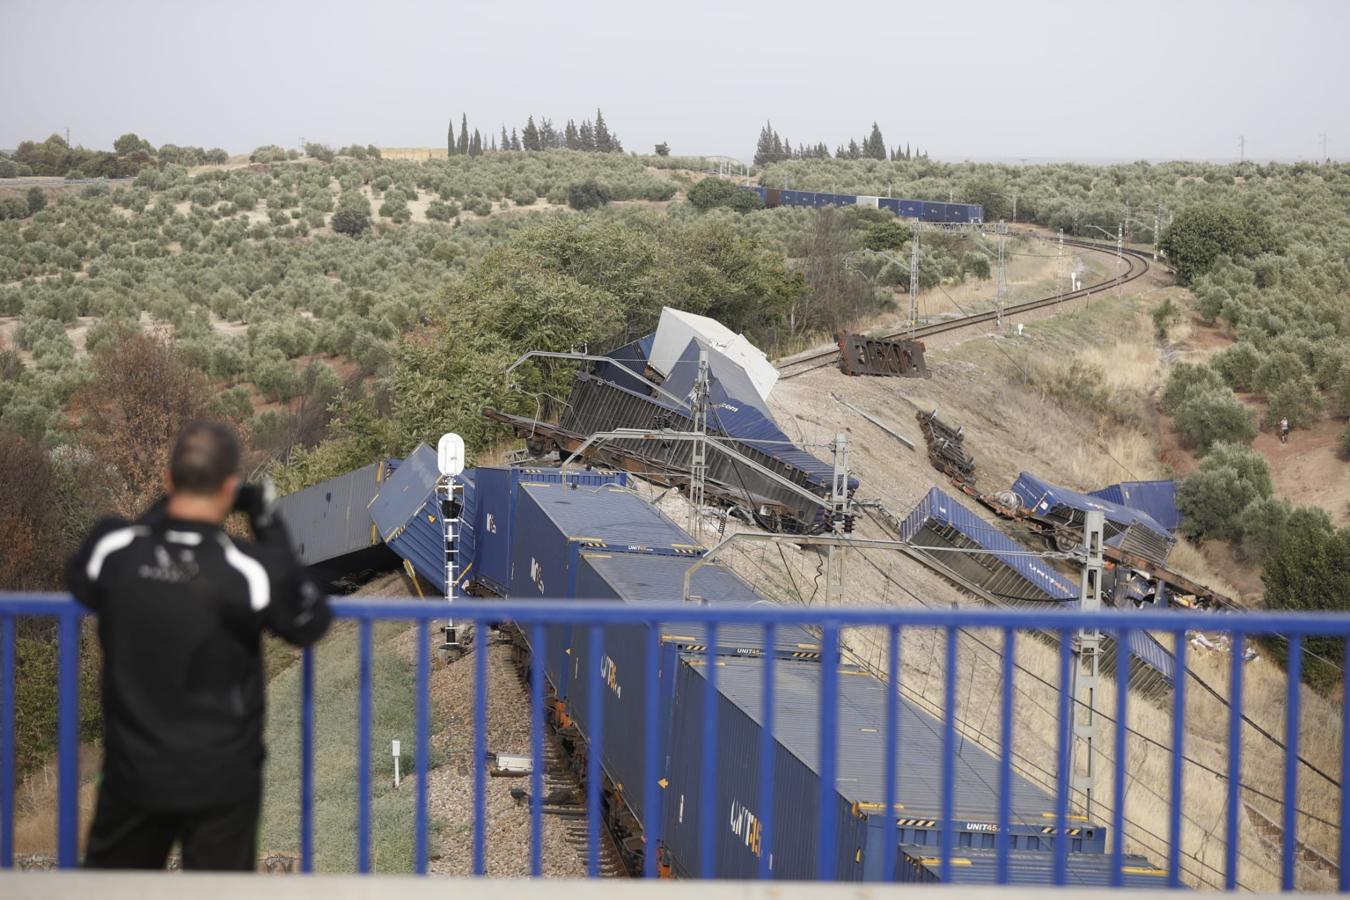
(109, 544)
(259, 587)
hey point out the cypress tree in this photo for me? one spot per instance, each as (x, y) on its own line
(506, 141)
(907, 150)
(450, 139)
(548, 135)
(476, 148)
(876, 148)
(464, 135)
(764, 147)
(515, 140)
(586, 137)
(604, 142)
(571, 140)
(529, 138)
(853, 151)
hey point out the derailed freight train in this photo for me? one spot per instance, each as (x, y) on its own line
(647, 385)
(591, 538)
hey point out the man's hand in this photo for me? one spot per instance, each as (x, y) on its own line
(258, 502)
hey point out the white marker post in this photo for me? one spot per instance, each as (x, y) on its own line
(396, 778)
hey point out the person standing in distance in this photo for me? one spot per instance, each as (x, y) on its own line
(181, 609)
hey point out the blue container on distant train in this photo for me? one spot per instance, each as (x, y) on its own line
(621, 665)
(857, 804)
(495, 500)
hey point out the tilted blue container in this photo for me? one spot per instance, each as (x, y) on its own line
(625, 365)
(621, 665)
(1043, 581)
(857, 803)
(496, 494)
(407, 514)
(1158, 499)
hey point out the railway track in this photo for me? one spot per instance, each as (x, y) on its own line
(1138, 261)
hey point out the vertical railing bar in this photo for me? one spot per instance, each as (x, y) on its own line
(1062, 774)
(363, 749)
(423, 705)
(538, 653)
(480, 695)
(1236, 662)
(6, 742)
(594, 772)
(651, 771)
(1294, 677)
(1343, 880)
(767, 754)
(307, 760)
(826, 863)
(1178, 748)
(1005, 740)
(708, 820)
(68, 742)
(889, 837)
(948, 758)
(1118, 775)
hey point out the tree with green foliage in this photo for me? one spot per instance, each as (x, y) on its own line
(587, 194)
(604, 141)
(129, 143)
(1297, 400)
(353, 214)
(37, 200)
(529, 137)
(462, 148)
(874, 147)
(1212, 415)
(1213, 497)
(711, 193)
(1201, 234)
(1309, 570)
(451, 148)
(1238, 365)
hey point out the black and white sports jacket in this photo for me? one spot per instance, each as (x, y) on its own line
(181, 609)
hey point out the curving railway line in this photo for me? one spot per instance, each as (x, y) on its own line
(1138, 261)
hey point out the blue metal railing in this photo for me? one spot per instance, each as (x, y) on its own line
(534, 617)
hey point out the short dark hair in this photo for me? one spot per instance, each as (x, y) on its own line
(204, 456)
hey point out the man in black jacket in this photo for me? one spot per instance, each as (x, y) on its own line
(181, 609)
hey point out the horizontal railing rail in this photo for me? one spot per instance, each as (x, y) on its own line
(534, 620)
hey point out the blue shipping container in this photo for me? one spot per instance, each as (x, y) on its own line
(939, 507)
(554, 523)
(1158, 499)
(858, 801)
(496, 491)
(407, 513)
(622, 663)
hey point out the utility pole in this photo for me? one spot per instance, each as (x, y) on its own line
(1120, 255)
(913, 279)
(1062, 274)
(698, 459)
(1001, 289)
(1085, 673)
(1157, 238)
(840, 515)
(1242, 148)
(1325, 157)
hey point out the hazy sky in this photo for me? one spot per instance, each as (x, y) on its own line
(968, 79)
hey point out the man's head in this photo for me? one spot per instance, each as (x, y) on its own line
(202, 478)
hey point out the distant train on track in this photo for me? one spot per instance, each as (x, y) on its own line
(923, 210)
